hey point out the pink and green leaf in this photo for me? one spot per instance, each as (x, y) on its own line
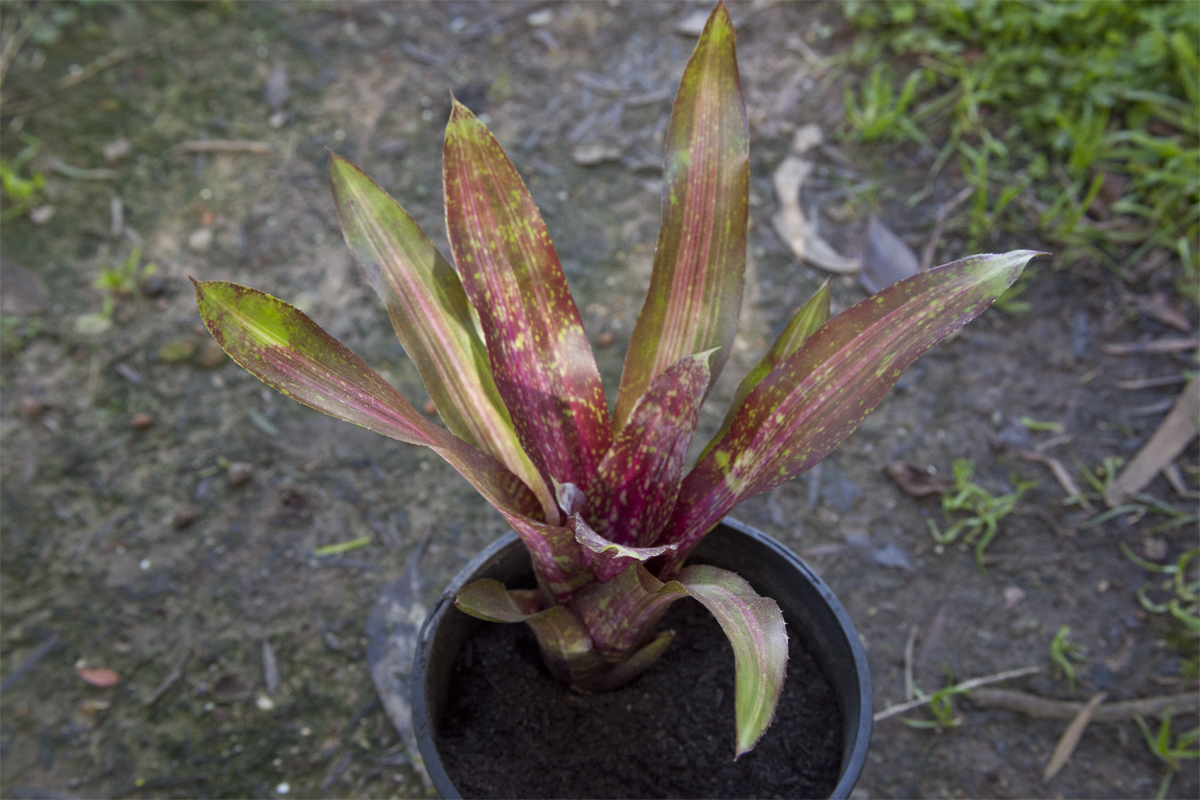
(639, 477)
(432, 318)
(540, 357)
(755, 628)
(811, 316)
(696, 286)
(488, 600)
(606, 559)
(817, 396)
(621, 613)
(289, 352)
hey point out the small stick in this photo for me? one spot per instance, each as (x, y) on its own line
(965, 686)
(1071, 736)
(1060, 474)
(13, 45)
(223, 146)
(1149, 383)
(37, 655)
(910, 686)
(940, 223)
(113, 58)
(172, 678)
(1174, 344)
(1041, 708)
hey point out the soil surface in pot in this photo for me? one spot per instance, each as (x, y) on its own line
(511, 730)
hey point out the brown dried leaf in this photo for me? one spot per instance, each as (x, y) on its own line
(917, 481)
(98, 676)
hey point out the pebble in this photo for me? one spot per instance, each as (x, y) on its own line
(200, 240)
(31, 408)
(184, 517)
(41, 215)
(240, 473)
(141, 421)
(430, 407)
(606, 339)
(115, 151)
(1154, 548)
(1013, 595)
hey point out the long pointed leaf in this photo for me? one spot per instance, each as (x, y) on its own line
(639, 477)
(700, 262)
(289, 352)
(755, 628)
(811, 316)
(540, 356)
(432, 318)
(816, 397)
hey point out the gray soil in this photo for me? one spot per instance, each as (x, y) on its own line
(127, 546)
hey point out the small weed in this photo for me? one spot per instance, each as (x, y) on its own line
(880, 113)
(941, 705)
(21, 193)
(1170, 754)
(1184, 605)
(118, 280)
(984, 510)
(1063, 652)
(1101, 478)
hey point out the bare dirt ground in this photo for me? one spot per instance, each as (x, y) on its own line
(131, 543)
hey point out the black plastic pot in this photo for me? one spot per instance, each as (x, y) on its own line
(810, 609)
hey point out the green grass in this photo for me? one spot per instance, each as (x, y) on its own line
(1042, 104)
(984, 511)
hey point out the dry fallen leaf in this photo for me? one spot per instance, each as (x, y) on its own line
(1070, 738)
(790, 223)
(1171, 438)
(886, 259)
(917, 481)
(98, 676)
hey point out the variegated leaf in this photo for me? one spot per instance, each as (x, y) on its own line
(811, 316)
(540, 356)
(606, 559)
(639, 477)
(700, 261)
(620, 614)
(432, 318)
(289, 352)
(488, 600)
(817, 396)
(755, 628)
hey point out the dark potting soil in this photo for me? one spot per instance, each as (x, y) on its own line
(510, 730)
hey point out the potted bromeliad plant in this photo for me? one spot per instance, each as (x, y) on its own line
(602, 501)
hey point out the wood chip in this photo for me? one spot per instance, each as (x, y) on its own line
(1070, 738)
(1167, 443)
(224, 146)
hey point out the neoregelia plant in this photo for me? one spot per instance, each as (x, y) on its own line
(602, 501)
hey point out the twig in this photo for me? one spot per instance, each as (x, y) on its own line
(1070, 738)
(13, 45)
(965, 686)
(935, 238)
(1149, 383)
(224, 146)
(172, 678)
(37, 655)
(1174, 344)
(1041, 708)
(113, 58)
(1060, 474)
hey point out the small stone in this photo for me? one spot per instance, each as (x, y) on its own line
(115, 151)
(141, 421)
(606, 339)
(212, 356)
(177, 352)
(540, 19)
(264, 703)
(589, 155)
(430, 407)
(1154, 548)
(41, 215)
(31, 408)
(1013, 595)
(184, 517)
(239, 473)
(200, 240)
(277, 120)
